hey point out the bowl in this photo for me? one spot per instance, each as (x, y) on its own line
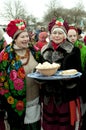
(48, 72)
(47, 68)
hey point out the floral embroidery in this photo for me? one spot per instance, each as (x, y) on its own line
(6, 85)
(18, 84)
(12, 80)
(21, 73)
(1, 54)
(21, 26)
(13, 75)
(20, 105)
(2, 78)
(59, 22)
(3, 91)
(5, 56)
(10, 100)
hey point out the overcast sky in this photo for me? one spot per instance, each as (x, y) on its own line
(39, 7)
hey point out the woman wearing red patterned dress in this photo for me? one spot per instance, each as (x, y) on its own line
(60, 98)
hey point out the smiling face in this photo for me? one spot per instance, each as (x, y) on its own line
(72, 35)
(22, 40)
(58, 35)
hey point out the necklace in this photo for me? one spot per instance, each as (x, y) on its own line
(27, 55)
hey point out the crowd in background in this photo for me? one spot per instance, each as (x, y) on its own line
(28, 104)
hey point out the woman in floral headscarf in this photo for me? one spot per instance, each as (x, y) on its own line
(20, 93)
(60, 98)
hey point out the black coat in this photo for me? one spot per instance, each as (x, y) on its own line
(69, 58)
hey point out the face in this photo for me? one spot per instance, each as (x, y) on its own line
(72, 35)
(42, 39)
(22, 40)
(58, 35)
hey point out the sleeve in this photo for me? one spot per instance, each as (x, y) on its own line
(73, 60)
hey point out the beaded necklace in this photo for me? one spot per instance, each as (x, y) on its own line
(27, 55)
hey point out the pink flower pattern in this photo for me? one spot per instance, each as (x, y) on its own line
(3, 91)
(13, 75)
(1, 54)
(18, 84)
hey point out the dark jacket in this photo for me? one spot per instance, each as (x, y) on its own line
(68, 57)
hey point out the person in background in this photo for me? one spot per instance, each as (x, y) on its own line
(20, 94)
(32, 40)
(2, 40)
(73, 37)
(43, 29)
(80, 32)
(41, 40)
(84, 39)
(38, 30)
(38, 45)
(60, 98)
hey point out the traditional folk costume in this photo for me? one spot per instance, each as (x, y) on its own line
(20, 94)
(60, 98)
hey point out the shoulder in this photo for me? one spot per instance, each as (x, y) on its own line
(36, 54)
(68, 46)
(47, 47)
(32, 49)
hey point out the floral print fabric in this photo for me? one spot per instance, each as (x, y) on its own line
(12, 80)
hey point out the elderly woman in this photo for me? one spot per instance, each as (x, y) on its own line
(20, 93)
(60, 98)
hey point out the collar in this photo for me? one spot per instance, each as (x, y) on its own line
(55, 46)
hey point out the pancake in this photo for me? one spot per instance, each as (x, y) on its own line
(69, 72)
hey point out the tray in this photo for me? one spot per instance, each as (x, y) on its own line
(56, 76)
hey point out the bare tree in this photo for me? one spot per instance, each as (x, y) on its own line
(51, 11)
(73, 15)
(13, 10)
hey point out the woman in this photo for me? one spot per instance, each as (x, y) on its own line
(73, 37)
(38, 45)
(20, 93)
(41, 40)
(60, 98)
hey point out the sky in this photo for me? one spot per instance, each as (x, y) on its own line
(39, 7)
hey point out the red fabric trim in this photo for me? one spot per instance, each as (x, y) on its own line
(73, 115)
